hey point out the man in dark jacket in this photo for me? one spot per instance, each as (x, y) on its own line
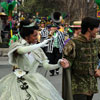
(82, 53)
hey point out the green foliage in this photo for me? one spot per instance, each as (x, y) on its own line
(5, 7)
(8, 6)
(97, 2)
(42, 6)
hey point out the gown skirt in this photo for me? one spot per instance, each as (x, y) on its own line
(29, 87)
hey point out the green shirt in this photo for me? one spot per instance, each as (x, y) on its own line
(55, 41)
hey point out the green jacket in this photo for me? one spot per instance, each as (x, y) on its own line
(83, 57)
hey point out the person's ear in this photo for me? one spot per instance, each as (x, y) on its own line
(89, 30)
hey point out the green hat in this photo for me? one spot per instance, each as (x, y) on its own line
(54, 25)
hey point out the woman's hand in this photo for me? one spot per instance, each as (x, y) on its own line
(64, 63)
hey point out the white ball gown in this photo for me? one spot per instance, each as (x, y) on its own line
(26, 83)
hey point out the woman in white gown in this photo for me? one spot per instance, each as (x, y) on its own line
(25, 83)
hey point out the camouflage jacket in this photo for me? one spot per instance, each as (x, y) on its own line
(83, 57)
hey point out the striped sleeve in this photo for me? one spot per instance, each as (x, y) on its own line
(61, 39)
(44, 32)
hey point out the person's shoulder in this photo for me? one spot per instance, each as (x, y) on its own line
(15, 45)
(70, 42)
(69, 46)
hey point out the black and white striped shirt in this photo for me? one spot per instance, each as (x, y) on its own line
(44, 33)
(61, 38)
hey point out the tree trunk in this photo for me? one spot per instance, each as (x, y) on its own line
(78, 9)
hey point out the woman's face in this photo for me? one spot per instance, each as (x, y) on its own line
(32, 38)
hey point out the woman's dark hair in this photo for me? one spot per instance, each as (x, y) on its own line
(89, 22)
(26, 31)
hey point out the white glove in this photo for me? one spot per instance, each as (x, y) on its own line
(26, 49)
(45, 43)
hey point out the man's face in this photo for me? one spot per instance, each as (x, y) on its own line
(53, 28)
(42, 25)
(93, 32)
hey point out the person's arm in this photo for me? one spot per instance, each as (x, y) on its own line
(69, 52)
(61, 63)
(26, 49)
(48, 66)
(45, 62)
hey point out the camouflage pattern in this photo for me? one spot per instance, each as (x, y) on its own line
(83, 57)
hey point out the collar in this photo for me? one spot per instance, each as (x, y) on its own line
(24, 42)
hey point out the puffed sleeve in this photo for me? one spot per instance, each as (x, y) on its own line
(11, 53)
